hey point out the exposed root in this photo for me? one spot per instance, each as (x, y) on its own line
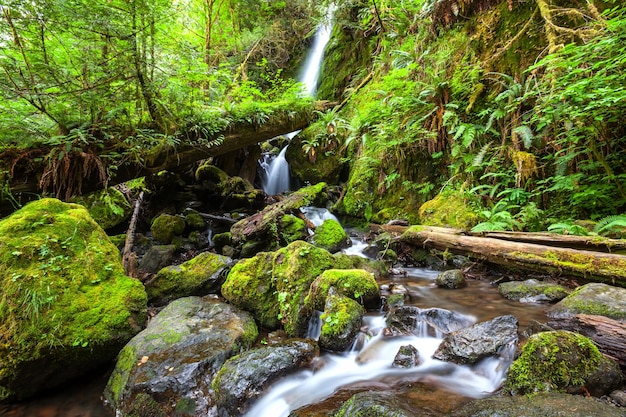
(66, 172)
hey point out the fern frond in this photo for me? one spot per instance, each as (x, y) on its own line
(526, 134)
(480, 156)
(610, 224)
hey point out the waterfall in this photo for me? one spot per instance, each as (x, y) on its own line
(275, 178)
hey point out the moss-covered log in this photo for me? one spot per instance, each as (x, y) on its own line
(90, 175)
(595, 266)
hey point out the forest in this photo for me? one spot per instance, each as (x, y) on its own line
(517, 112)
(456, 197)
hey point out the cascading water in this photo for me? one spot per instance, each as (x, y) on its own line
(275, 176)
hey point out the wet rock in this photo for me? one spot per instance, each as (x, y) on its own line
(292, 228)
(374, 404)
(357, 284)
(407, 320)
(331, 236)
(341, 322)
(593, 298)
(469, 345)
(174, 359)
(194, 221)
(407, 357)
(273, 285)
(562, 361)
(201, 275)
(532, 290)
(166, 227)
(156, 258)
(323, 166)
(66, 305)
(453, 279)
(539, 405)
(245, 377)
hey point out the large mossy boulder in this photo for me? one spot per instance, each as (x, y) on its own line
(66, 305)
(201, 275)
(170, 364)
(594, 298)
(331, 236)
(532, 290)
(562, 361)
(108, 207)
(273, 285)
(244, 377)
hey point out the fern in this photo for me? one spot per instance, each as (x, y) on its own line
(610, 224)
(480, 156)
(526, 134)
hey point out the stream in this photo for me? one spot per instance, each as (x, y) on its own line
(443, 385)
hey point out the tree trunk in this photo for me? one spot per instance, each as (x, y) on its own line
(608, 334)
(595, 266)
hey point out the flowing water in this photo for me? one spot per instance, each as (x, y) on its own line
(275, 170)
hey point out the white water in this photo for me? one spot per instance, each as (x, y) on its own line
(276, 170)
(374, 362)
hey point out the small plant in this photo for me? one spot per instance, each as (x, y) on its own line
(568, 228)
(611, 225)
(498, 218)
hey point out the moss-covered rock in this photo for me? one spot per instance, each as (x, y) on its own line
(210, 175)
(594, 298)
(331, 236)
(67, 306)
(245, 377)
(361, 188)
(452, 278)
(273, 285)
(292, 228)
(194, 221)
(341, 321)
(166, 227)
(201, 275)
(449, 209)
(108, 207)
(561, 361)
(174, 359)
(532, 290)
(357, 284)
(322, 162)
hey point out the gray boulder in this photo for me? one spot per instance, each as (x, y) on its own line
(243, 378)
(594, 298)
(467, 346)
(406, 320)
(169, 365)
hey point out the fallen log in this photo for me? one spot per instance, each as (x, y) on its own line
(608, 334)
(239, 135)
(595, 243)
(595, 266)
(259, 224)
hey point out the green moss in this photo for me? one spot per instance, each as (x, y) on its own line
(194, 277)
(361, 188)
(292, 228)
(194, 221)
(330, 235)
(337, 319)
(553, 361)
(126, 360)
(118, 240)
(108, 207)
(357, 284)
(63, 285)
(450, 209)
(166, 227)
(209, 172)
